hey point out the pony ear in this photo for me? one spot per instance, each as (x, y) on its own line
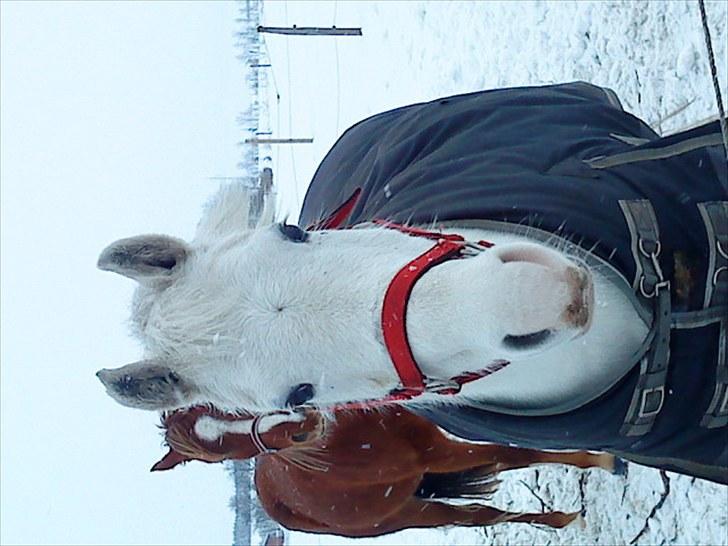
(145, 257)
(169, 461)
(147, 384)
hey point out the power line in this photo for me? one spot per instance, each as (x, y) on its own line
(278, 100)
(714, 74)
(337, 62)
(272, 71)
(338, 80)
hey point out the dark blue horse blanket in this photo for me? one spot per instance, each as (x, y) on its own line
(562, 158)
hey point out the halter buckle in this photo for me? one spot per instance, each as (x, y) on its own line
(471, 248)
(652, 401)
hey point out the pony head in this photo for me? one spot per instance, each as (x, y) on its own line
(267, 318)
(205, 434)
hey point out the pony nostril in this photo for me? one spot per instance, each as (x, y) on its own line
(527, 341)
(300, 437)
(299, 395)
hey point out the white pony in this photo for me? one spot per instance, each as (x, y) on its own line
(242, 318)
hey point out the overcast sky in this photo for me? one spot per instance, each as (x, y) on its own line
(113, 116)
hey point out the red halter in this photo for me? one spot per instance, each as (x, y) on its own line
(394, 310)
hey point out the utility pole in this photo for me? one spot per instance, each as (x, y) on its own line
(242, 472)
(278, 141)
(311, 31)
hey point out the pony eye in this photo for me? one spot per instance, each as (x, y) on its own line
(299, 395)
(300, 437)
(293, 233)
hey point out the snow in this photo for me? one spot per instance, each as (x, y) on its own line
(652, 54)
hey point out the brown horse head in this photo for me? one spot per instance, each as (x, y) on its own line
(206, 434)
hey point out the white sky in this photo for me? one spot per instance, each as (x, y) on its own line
(113, 116)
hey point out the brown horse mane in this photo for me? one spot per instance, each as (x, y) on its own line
(178, 438)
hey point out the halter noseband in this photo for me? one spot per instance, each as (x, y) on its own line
(394, 309)
(257, 438)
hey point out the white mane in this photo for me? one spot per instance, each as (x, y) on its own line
(228, 211)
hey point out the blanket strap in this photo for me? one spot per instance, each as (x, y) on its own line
(653, 289)
(715, 218)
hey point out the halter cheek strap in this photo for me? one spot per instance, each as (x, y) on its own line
(394, 311)
(394, 314)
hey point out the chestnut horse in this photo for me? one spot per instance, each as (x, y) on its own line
(370, 474)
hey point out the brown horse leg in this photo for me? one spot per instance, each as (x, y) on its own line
(454, 456)
(580, 459)
(421, 513)
(418, 513)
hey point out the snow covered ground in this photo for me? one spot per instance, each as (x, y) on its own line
(650, 53)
